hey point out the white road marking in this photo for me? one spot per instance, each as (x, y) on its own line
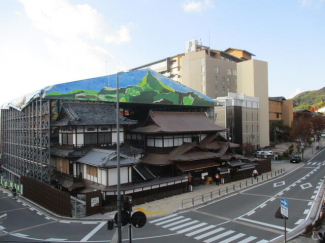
(249, 239)
(299, 221)
(265, 224)
(65, 222)
(310, 203)
(305, 186)
(263, 205)
(24, 204)
(233, 238)
(209, 233)
(201, 230)
(55, 239)
(315, 191)
(313, 197)
(39, 213)
(32, 209)
(48, 218)
(272, 199)
(229, 232)
(89, 222)
(169, 220)
(177, 222)
(263, 241)
(91, 233)
(19, 235)
(163, 218)
(277, 184)
(250, 213)
(183, 225)
(191, 228)
(306, 211)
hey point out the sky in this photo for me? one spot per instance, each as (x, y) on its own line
(46, 42)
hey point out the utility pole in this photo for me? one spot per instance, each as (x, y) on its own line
(119, 205)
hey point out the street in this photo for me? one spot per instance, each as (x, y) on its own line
(247, 216)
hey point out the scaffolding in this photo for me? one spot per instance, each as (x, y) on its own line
(26, 141)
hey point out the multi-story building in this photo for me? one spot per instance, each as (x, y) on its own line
(281, 109)
(241, 115)
(215, 73)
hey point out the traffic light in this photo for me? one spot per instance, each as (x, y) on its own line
(110, 224)
(127, 203)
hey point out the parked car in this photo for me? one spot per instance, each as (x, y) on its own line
(295, 159)
(262, 153)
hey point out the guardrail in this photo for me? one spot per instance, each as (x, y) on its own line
(199, 199)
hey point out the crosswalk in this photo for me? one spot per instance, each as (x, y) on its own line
(316, 163)
(202, 231)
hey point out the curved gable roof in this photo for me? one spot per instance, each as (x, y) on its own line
(178, 122)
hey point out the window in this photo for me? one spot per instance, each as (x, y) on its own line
(216, 78)
(104, 138)
(90, 138)
(216, 69)
(223, 88)
(246, 128)
(252, 117)
(202, 68)
(228, 71)
(67, 138)
(223, 80)
(234, 72)
(104, 129)
(257, 116)
(257, 129)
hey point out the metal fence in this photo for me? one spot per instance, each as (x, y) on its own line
(199, 199)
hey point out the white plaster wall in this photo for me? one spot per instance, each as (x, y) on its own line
(80, 140)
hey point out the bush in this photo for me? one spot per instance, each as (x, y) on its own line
(285, 155)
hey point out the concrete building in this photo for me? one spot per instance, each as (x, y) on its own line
(241, 115)
(253, 81)
(215, 73)
(281, 109)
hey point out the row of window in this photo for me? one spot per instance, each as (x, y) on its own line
(89, 138)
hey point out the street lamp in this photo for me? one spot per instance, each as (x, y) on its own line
(119, 205)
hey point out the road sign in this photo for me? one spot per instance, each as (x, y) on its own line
(284, 207)
(138, 219)
(125, 218)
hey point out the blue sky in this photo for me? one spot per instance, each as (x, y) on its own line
(54, 41)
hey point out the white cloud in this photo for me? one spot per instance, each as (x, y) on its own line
(295, 92)
(71, 45)
(313, 3)
(17, 13)
(197, 6)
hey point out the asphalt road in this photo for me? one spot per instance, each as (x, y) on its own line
(247, 216)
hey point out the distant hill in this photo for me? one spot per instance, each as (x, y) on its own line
(308, 99)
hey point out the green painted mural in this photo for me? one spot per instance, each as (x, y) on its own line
(151, 88)
(139, 86)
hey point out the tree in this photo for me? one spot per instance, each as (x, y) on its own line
(318, 125)
(301, 129)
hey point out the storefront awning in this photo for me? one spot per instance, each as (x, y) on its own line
(198, 165)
